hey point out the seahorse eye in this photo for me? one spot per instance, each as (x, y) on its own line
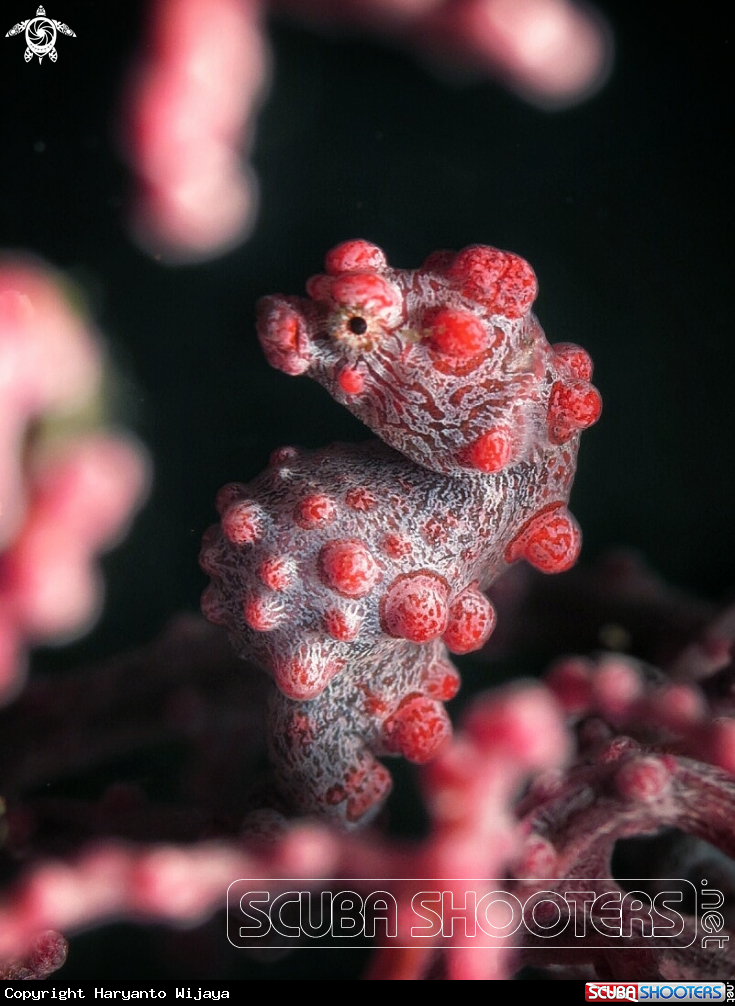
(357, 325)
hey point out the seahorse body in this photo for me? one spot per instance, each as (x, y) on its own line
(349, 572)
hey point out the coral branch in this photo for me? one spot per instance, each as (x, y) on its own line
(190, 110)
(551, 52)
(470, 791)
(67, 489)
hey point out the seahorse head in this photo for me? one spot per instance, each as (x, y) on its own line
(446, 362)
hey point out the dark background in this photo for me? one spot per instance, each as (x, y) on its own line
(622, 205)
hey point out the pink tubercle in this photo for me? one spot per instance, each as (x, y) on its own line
(315, 511)
(348, 567)
(550, 541)
(354, 256)
(470, 623)
(415, 607)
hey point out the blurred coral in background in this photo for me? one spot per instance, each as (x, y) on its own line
(67, 488)
(553, 53)
(192, 101)
(190, 116)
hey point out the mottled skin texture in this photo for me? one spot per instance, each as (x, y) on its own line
(350, 572)
(441, 361)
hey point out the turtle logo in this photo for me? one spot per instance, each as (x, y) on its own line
(40, 35)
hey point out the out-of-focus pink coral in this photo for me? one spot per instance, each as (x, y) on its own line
(651, 754)
(190, 110)
(551, 52)
(191, 104)
(470, 790)
(49, 361)
(64, 495)
(515, 794)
